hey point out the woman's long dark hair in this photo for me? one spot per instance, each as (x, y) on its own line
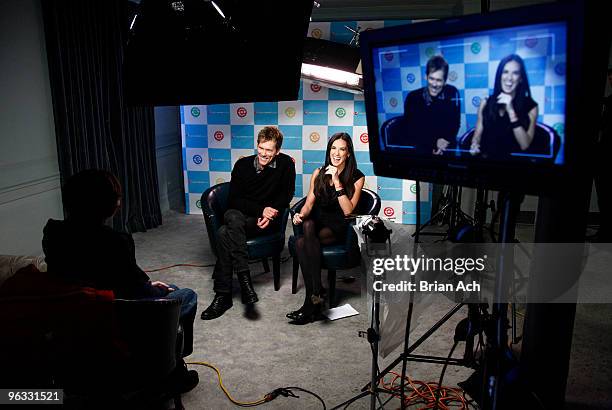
(522, 90)
(346, 176)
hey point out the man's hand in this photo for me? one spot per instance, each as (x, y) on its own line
(263, 222)
(270, 213)
(441, 145)
(162, 285)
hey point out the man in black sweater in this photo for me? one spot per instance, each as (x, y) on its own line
(432, 113)
(261, 186)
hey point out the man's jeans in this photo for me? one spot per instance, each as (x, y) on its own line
(232, 249)
(189, 305)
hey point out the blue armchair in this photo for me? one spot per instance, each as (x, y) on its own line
(214, 205)
(340, 256)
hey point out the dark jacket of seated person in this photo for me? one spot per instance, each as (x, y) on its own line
(430, 118)
(98, 257)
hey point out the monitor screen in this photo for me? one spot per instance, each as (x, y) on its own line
(493, 95)
(490, 100)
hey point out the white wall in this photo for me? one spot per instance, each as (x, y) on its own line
(29, 174)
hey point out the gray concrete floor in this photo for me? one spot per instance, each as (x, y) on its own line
(259, 352)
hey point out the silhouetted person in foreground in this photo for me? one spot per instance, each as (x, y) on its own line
(81, 249)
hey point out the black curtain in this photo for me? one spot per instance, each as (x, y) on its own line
(94, 126)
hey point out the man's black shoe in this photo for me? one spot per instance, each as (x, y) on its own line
(183, 380)
(246, 286)
(217, 308)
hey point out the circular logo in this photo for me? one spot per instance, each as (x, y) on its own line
(218, 135)
(316, 33)
(314, 137)
(389, 211)
(393, 102)
(315, 87)
(388, 56)
(290, 112)
(219, 180)
(197, 159)
(292, 159)
(476, 101)
(559, 127)
(195, 112)
(531, 42)
(476, 48)
(242, 112)
(364, 138)
(452, 76)
(560, 69)
(413, 188)
(429, 52)
(199, 204)
(410, 78)
(340, 112)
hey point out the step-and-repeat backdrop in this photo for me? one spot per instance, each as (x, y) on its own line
(214, 137)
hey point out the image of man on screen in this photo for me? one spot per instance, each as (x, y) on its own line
(432, 113)
(507, 119)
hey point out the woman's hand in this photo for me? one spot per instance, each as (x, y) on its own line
(333, 171)
(297, 219)
(475, 148)
(506, 100)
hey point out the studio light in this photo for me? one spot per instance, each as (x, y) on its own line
(333, 65)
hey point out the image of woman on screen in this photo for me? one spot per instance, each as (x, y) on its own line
(507, 119)
(432, 113)
(334, 192)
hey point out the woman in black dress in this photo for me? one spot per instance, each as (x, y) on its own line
(333, 194)
(507, 119)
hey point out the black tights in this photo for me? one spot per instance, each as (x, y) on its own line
(308, 248)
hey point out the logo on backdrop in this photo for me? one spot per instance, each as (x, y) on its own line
(219, 135)
(290, 112)
(388, 56)
(315, 87)
(292, 159)
(393, 102)
(429, 52)
(364, 137)
(199, 204)
(452, 76)
(314, 137)
(219, 180)
(197, 159)
(242, 112)
(475, 48)
(531, 42)
(195, 112)
(316, 33)
(340, 112)
(476, 101)
(560, 69)
(410, 78)
(389, 212)
(413, 188)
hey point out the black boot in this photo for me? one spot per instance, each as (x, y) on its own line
(246, 286)
(221, 303)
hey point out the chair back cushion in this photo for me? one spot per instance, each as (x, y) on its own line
(369, 203)
(214, 204)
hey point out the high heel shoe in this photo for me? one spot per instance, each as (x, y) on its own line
(309, 313)
(292, 315)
